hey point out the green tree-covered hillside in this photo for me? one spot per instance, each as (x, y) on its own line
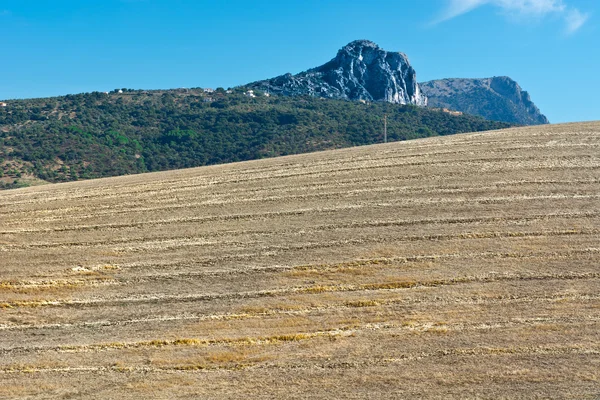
(97, 134)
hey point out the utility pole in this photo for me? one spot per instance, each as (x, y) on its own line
(384, 128)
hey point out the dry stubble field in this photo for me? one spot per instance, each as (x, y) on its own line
(454, 267)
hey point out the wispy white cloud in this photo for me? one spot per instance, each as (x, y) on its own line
(5, 13)
(524, 9)
(456, 8)
(575, 20)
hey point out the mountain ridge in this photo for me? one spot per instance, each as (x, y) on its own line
(498, 98)
(363, 71)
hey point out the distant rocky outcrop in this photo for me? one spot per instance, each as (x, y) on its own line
(498, 98)
(360, 71)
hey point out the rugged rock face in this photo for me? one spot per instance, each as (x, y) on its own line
(498, 98)
(360, 71)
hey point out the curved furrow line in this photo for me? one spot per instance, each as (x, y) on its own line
(324, 210)
(122, 209)
(386, 262)
(311, 365)
(369, 161)
(390, 155)
(324, 184)
(202, 219)
(319, 174)
(166, 245)
(536, 163)
(138, 209)
(401, 153)
(347, 305)
(362, 262)
(318, 228)
(68, 211)
(341, 331)
(188, 342)
(368, 287)
(24, 285)
(163, 205)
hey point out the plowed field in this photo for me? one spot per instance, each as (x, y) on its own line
(453, 267)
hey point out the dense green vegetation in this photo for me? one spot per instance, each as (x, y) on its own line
(96, 134)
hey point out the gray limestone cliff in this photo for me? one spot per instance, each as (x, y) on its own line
(361, 70)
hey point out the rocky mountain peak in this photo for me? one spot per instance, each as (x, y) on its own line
(361, 43)
(361, 70)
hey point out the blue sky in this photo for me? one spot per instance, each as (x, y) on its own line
(55, 47)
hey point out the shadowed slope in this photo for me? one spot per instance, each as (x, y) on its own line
(497, 99)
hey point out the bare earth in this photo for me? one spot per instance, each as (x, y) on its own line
(453, 267)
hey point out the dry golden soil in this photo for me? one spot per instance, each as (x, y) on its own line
(452, 267)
